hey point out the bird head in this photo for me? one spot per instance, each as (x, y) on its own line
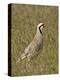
(40, 27)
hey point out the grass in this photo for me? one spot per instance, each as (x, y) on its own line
(24, 21)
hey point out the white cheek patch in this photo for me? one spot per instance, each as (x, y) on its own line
(41, 27)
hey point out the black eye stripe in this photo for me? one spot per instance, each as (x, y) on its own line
(39, 28)
(42, 25)
(40, 31)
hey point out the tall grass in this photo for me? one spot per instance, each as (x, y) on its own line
(24, 21)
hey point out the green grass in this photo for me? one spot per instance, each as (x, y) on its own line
(24, 21)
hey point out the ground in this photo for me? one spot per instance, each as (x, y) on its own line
(24, 21)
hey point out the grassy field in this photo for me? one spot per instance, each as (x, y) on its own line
(24, 21)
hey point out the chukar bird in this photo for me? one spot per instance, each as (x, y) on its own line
(35, 45)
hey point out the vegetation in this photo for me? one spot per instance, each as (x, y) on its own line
(24, 21)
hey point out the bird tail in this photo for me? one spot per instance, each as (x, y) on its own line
(23, 56)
